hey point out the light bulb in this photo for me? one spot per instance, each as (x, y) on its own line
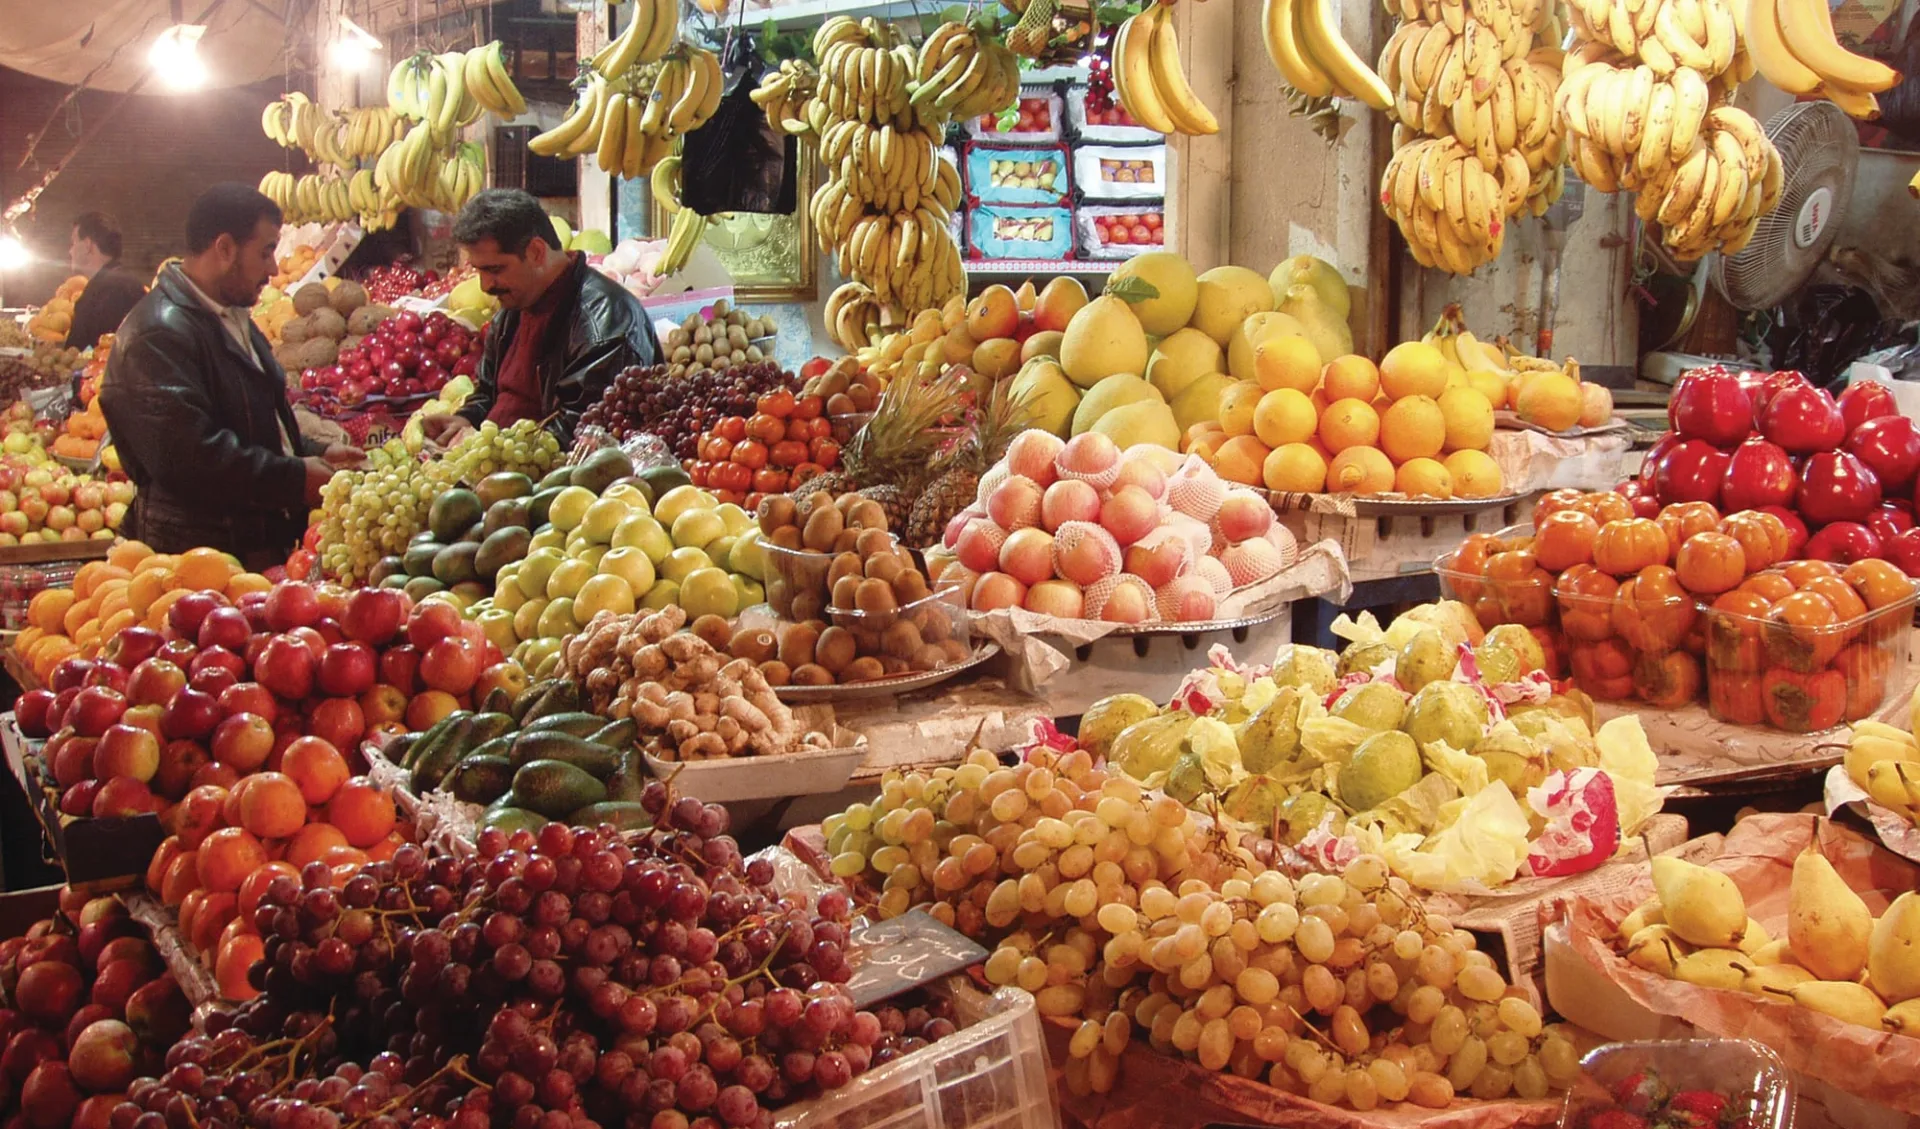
(175, 57)
(13, 253)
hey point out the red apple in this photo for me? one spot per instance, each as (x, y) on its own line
(102, 1056)
(48, 1098)
(159, 1012)
(126, 751)
(190, 716)
(1864, 400)
(145, 717)
(187, 613)
(69, 674)
(28, 1048)
(87, 1015)
(1803, 419)
(111, 675)
(94, 709)
(77, 801)
(255, 645)
(244, 741)
(1796, 529)
(1890, 521)
(1890, 446)
(286, 666)
(248, 697)
(1843, 542)
(154, 682)
(254, 606)
(347, 669)
(179, 762)
(224, 627)
(31, 710)
(122, 796)
(179, 652)
(400, 667)
(49, 990)
(216, 658)
(291, 604)
(432, 622)
(96, 1111)
(452, 665)
(1836, 486)
(1758, 474)
(382, 704)
(1904, 551)
(339, 722)
(1710, 404)
(312, 639)
(72, 760)
(1641, 495)
(132, 646)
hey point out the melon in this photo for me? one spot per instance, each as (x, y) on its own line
(1114, 392)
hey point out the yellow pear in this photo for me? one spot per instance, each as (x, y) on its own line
(1103, 338)
(1903, 1017)
(1892, 784)
(1777, 978)
(1893, 953)
(1842, 999)
(1703, 906)
(1776, 951)
(1755, 938)
(1656, 949)
(1725, 969)
(1873, 742)
(1827, 923)
(1645, 914)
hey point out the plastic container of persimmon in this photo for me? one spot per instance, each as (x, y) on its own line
(1809, 645)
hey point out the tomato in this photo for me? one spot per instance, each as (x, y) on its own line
(1733, 632)
(1735, 697)
(778, 402)
(1585, 595)
(736, 477)
(803, 472)
(824, 451)
(766, 428)
(1710, 563)
(770, 480)
(751, 454)
(788, 452)
(1684, 519)
(1667, 681)
(1564, 539)
(1804, 703)
(1626, 546)
(1553, 647)
(809, 407)
(734, 428)
(822, 428)
(1761, 535)
(1865, 668)
(1523, 588)
(1800, 632)
(1878, 582)
(1652, 612)
(1566, 499)
(1604, 669)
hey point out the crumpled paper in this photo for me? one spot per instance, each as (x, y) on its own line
(1896, 832)
(1035, 642)
(1530, 461)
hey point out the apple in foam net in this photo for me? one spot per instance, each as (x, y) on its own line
(1027, 556)
(1129, 513)
(1159, 558)
(1068, 499)
(1139, 470)
(1015, 503)
(1031, 455)
(1062, 598)
(1243, 514)
(996, 590)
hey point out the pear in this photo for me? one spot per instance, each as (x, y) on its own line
(1645, 914)
(1842, 999)
(1903, 1017)
(1656, 949)
(1891, 784)
(1827, 924)
(1755, 938)
(1776, 978)
(1893, 952)
(1776, 951)
(1725, 969)
(1873, 742)
(1703, 906)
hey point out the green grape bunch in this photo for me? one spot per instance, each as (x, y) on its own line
(523, 448)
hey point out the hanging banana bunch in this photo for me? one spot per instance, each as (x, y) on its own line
(370, 129)
(629, 122)
(433, 89)
(958, 74)
(1148, 78)
(485, 72)
(786, 95)
(856, 318)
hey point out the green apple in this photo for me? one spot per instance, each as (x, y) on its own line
(663, 594)
(721, 549)
(679, 500)
(549, 537)
(738, 520)
(505, 575)
(576, 541)
(697, 529)
(538, 568)
(602, 518)
(750, 591)
(569, 507)
(526, 621)
(630, 494)
(498, 625)
(642, 532)
(709, 591)
(449, 597)
(592, 554)
(558, 619)
(682, 562)
(567, 579)
(630, 565)
(749, 556)
(603, 593)
(540, 652)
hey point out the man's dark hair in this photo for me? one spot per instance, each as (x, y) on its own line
(99, 229)
(508, 216)
(227, 209)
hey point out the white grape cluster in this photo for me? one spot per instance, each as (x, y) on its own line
(370, 513)
(1120, 907)
(523, 447)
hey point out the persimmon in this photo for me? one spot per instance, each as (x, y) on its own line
(1684, 519)
(1563, 539)
(1604, 669)
(1624, 547)
(1555, 500)
(1652, 612)
(1605, 506)
(1866, 668)
(1585, 596)
(1803, 702)
(1735, 696)
(1762, 535)
(1800, 632)
(1734, 630)
(1467, 563)
(1710, 563)
(1769, 586)
(1799, 572)
(1667, 681)
(1523, 589)
(1878, 582)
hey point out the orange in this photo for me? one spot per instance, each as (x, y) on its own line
(254, 886)
(383, 850)
(236, 956)
(182, 878)
(128, 554)
(227, 856)
(205, 568)
(1242, 459)
(215, 912)
(112, 625)
(189, 909)
(157, 611)
(144, 589)
(78, 614)
(362, 812)
(337, 857)
(169, 850)
(158, 562)
(316, 766)
(271, 805)
(313, 841)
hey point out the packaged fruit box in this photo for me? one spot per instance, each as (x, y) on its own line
(1000, 232)
(1118, 232)
(1104, 120)
(1036, 120)
(1114, 172)
(999, 174)
(1680, 1082)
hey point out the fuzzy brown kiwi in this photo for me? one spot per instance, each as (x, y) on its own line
(812, 674)
(868, 514)
(835, 649)
(806, 506)
(901, 640)
(754, 645)
(891, 666)
(864, 669)
(866, 639)
(805, 606)
(934, 621)
(845, 591)
(775, 511)
(930, 656)
(872, 542)
(796, 644)
(841, 404)
(776, 672)
(844, 503)
(955, 649)
(909, 586)
(786, 537)
(884, 567)
(844, 565)
(823, 529)
(714, 630)
(875, 597)
(845, 542)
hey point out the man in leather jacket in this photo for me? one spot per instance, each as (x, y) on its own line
(112, 290)
(198, 407)
(564, 332)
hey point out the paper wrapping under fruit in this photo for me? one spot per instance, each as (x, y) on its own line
(1159, 1089)
(1530, 461)
(1758, 855)
(1896, 831)
(1321, 569)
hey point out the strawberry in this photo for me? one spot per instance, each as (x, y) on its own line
(1616, 1119)
(1639, 1092)
(1696, 1109)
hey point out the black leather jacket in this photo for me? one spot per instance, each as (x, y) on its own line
(110, 294)
(598, 330)
(197, 426)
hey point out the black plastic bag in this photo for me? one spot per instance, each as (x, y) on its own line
(737, 162)
(1826, 329)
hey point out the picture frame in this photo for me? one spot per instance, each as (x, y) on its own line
(771, 258)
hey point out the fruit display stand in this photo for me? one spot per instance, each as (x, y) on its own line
(48, 552)
(1845, 1074)
(98, 855)
(163, 924)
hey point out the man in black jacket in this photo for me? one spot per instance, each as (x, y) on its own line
(112, 289)
(564, 332)
(198, 407)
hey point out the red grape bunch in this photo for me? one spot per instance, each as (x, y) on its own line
(682, 408)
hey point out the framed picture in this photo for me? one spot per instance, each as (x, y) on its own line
(771, 258)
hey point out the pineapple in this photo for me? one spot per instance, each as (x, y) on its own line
(956, 477)
(888, 457)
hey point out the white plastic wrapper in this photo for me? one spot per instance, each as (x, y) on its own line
(1119, 231)
(1119, 172)
(1040, 120)
(1112, 125)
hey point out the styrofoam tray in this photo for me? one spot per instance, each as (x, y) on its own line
(725, 779)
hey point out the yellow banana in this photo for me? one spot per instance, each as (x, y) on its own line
(1133, 73)
(1348, 72)
(1280, 26)
(1689, 111)
(1807, 28)
(1189, 113)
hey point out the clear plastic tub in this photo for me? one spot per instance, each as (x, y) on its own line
(939, 621)
(1781, 670)
(1669, 1081)
(796, 581)
(990, 1074)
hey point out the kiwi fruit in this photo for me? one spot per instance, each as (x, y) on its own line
(930, 656)
(883, 566)
(811, 674)
(868, 514)
(836, 649)
(757, 646)
(805, 508)
(874, 597)
(805, 606)
(796, 644)
(844, 503)
(776, 510)
(871, 542)
(843, 566)
(891, 667)
(862, 396)
(848, 538)
(713, 629)
(910, 587)
(841, 404)
(776, 672)
(787, 537)
(823, 529)
(845, 591)
(955, 649)
(934, 622)
(901, 640)
(864, 669)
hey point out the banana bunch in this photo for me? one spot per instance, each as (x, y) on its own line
(370, 129)
(958, 74)
(419, 173)
(629, 122)
(291, 122)
(856, 317)
(655, 26)
(1450, 208)
(432, 89)
(885, 169)
(786, 94)
(312, 198)
(1148, 78)
(1884, 761)
(1913, 186)
(1457, 344)
(684, 233)
(915, 345)
(865, 68)
(665, 184)
(1304, 41)
(1792, 43)
(484, 70)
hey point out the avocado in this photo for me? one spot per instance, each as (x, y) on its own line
(510, 819)
(386, 566)
(452, 512)
(440, 754)
(418, 560)
(553, 788)
(507, 513)
(574, 723)
(455, 563)
(397, 580)
(598, 470)
(664, 478)
(498, 700)
(472, 591)
(624, 816)
(596, 760)
(476, 533)
(505, 484)
(500, 549)
(538, 505)
(616, 735)
(479, 779)
(628, 782)
(422, 537)
(563, 697)
(489, 724)
(556, 478)
(420, 587)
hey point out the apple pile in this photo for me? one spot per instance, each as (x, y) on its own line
(786, 441)
(42, 501)
(1839, 472)
(85, 1008)
(1082, 529)
(404, 357)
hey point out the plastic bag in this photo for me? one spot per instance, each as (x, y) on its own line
(1825, 329)
(736, 162)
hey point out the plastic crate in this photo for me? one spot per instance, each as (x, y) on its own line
(1757, 1086)
(990, 1074)
(20, 583)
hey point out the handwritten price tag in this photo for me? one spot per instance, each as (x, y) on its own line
(913, 949)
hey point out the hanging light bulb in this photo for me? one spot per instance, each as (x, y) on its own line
(175, 57)
(356, 47)
(13, 252)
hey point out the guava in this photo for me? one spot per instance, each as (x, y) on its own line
(1150, 746)
(1107, 718)
(1385, 765)
(1310, 668)
(1425, 658)
(1512, 758)
(1271, 737)
(1375, 705)
(1364, 657)
(1302, 813)
(1453, 712)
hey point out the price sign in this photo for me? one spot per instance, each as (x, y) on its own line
(905, 952)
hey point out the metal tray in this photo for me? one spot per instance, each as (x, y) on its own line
(1127, 630)
(882, 687)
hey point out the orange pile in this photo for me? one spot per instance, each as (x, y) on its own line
(83, 432)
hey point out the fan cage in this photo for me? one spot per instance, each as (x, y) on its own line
(1819, 148)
